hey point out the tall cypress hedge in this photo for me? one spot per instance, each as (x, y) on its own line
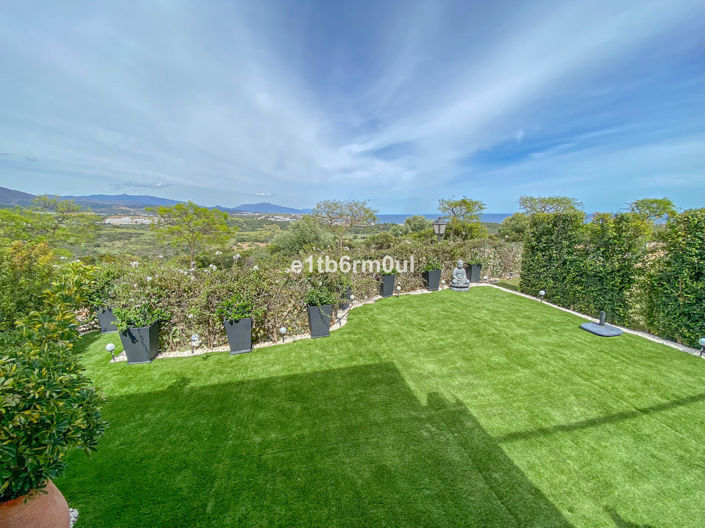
(676, 281)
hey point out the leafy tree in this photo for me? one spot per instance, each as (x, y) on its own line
(188, 224)
(549, 204)
(302, 234)
(653, 209)
(514, 227)
(417, 223)
(463, 217)
(57, 222)
(340, 217)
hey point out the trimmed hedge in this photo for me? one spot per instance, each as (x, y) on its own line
(605, 265)
(675, 307)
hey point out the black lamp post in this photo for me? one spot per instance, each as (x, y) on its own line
(439, 227)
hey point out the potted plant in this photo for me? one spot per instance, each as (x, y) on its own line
(345, 288)
(474, 271)
(99, 298)
(237, 318)
(139, 331)
(320, 310)
(432, 275)
(387, 286)
(50, 409)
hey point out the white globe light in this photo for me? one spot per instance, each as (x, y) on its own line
(282, 330)
(542, 293)
(194, 338)
(398, 288)
(110, 347)
(352, 297)
(702, 341)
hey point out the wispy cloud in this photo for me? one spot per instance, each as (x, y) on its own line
(397, 102)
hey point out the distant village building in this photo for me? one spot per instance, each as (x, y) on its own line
(127, 220)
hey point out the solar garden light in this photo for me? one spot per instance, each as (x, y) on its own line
(194, 342)
(398, 290)
(439, 227)
(282, 331)
(487, 279)
(702, 345)
(443, 283)
(110, 347)
(542, 294)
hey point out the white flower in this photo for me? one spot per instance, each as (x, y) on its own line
(62, 258)
(160, 256)
(213, 267)
(134, 263)
(190, 316)
(192, 277)
(218, 252)
(236, 256)
(149, 279)
(135, 285)
(255, 268)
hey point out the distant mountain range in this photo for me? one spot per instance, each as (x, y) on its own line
(112, 203)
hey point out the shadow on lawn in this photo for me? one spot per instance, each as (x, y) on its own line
(609, 418)
(342, 447)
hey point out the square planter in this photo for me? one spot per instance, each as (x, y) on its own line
(106, 320)
(239, 335)
(432, 279)
(141, 344)
(474, 272)
(319, 320)
(387, 287)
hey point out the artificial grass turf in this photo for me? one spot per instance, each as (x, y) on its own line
(449, 409)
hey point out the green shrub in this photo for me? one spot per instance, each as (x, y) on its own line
(236, 307)
(48, 404)
(320, 296)
(432, 265)
(676, 281)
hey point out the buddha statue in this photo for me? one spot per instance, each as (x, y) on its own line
(460, 280)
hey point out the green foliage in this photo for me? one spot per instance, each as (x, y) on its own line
(340, 217)
(56, 222)
(303, 234)
(193, 226)
(47, 405)
(676, 281)
(139, 316)
(102, 284)
(513, 228)
(26, 270)
(653, 209)
(416, 224)
(549, 255)
(431, 265)
(463, 218)
(320, 296)
(237, 307)
(549, 204)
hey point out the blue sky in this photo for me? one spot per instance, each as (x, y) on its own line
(399, 103)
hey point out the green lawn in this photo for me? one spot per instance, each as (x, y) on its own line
(450, 409)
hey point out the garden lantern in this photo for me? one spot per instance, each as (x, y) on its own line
(194, 342)
(439, 227)
(542, 294)
(702, 345)
(398, 290)
(282, 331)
(110, 347)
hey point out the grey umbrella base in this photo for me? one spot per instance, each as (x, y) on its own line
(602, 331)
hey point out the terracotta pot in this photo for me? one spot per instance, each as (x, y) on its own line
(42, 510)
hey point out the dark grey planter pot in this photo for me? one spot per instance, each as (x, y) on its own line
(475, 273)
(141, 344)
(239, 335)
(344, 303)
(432, 279)
(319, 320)
(106, 320)
(387, 288)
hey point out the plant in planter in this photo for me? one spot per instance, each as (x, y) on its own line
(49, 407)
(139, 331)
(101, 292)
(345, 289)
(387, 286)
(237, 313)
(432, 274)
(320, 310)
(474, 271)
